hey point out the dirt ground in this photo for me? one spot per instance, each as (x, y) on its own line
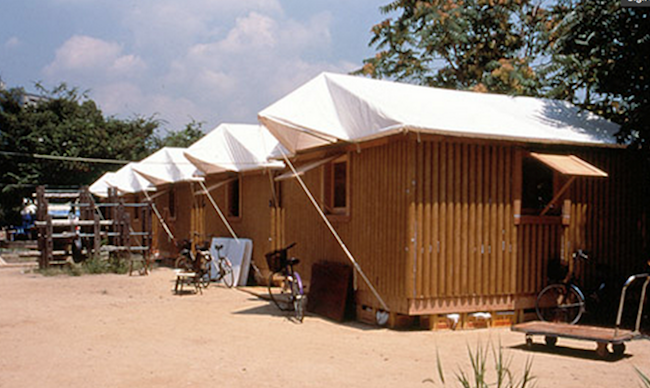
(121, 331)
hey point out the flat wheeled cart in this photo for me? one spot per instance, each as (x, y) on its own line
(601, 335)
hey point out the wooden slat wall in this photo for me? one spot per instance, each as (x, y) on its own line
(607, 216)
(465, 232)
(377, 229)
(537, 244)
(182, 223)
(161, 240)
(257, 221)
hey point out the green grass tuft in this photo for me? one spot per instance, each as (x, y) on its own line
(477, 377)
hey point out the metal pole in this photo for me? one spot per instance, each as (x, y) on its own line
(216, 207)
(334, 233)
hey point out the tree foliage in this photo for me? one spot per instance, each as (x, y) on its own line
(64, 122)
(601, 61)
(183, 138)
(481, 45)
(593, 53)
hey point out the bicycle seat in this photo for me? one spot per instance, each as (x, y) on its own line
(293, 261)
(218, 247)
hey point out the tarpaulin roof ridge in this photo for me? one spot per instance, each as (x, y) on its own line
(234, 147)
(334, 106)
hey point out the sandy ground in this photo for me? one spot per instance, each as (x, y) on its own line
(121, 331)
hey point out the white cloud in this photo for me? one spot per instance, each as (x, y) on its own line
(12, 42)
(87, 55)
(257, 61)
(210, 60)
(127, 100)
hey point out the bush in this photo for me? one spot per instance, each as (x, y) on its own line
(93, 265)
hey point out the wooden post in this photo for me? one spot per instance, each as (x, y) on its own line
(126, 236)
(97, 238)
(47, 254)
(118, 221)
(41, 215)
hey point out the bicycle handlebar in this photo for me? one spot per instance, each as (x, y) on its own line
(281, 250)
(580, 254)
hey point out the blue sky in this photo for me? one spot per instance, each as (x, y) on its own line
(212, 61)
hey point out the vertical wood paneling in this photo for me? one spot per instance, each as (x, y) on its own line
(442, 221)
(452, 233)
(500, 209)
(472, 221)
(456, 266)
(435, 217)
(428, 277)
(449, 259)
(480, 199)
(485, 223)
(419, 221)
(464, 230)
(508, 224)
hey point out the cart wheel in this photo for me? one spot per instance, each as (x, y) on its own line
(529, 341)
(602, 350)
(550, 341)
(619, 349)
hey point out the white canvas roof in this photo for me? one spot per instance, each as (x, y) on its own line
(126, 181)
(100, 186)
(167, 165)
(333, 107)
(234, 147)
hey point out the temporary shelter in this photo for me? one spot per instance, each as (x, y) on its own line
(100, 186)
(174, 178)
(452, 201)
(238, 179)
(126, 181)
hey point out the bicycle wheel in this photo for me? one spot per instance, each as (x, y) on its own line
(204, 280)
(226, 273)
(184, 263)
(280, 296)
(297, 296)
(560, 303)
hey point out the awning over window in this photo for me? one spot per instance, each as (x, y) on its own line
(304, 168)
(569, 165)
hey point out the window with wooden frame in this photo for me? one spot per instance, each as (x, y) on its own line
(336, 186)
(547, 177)
(233, 198)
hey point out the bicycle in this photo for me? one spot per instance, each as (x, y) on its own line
(202, 264)
(291, 294)
(564, 301)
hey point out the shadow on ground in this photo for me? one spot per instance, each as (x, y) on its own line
(586, 354)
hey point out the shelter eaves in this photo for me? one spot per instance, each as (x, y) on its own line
(167, 165)
(333, 107)
(127, 181)
(234, 147)
(100, 186)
